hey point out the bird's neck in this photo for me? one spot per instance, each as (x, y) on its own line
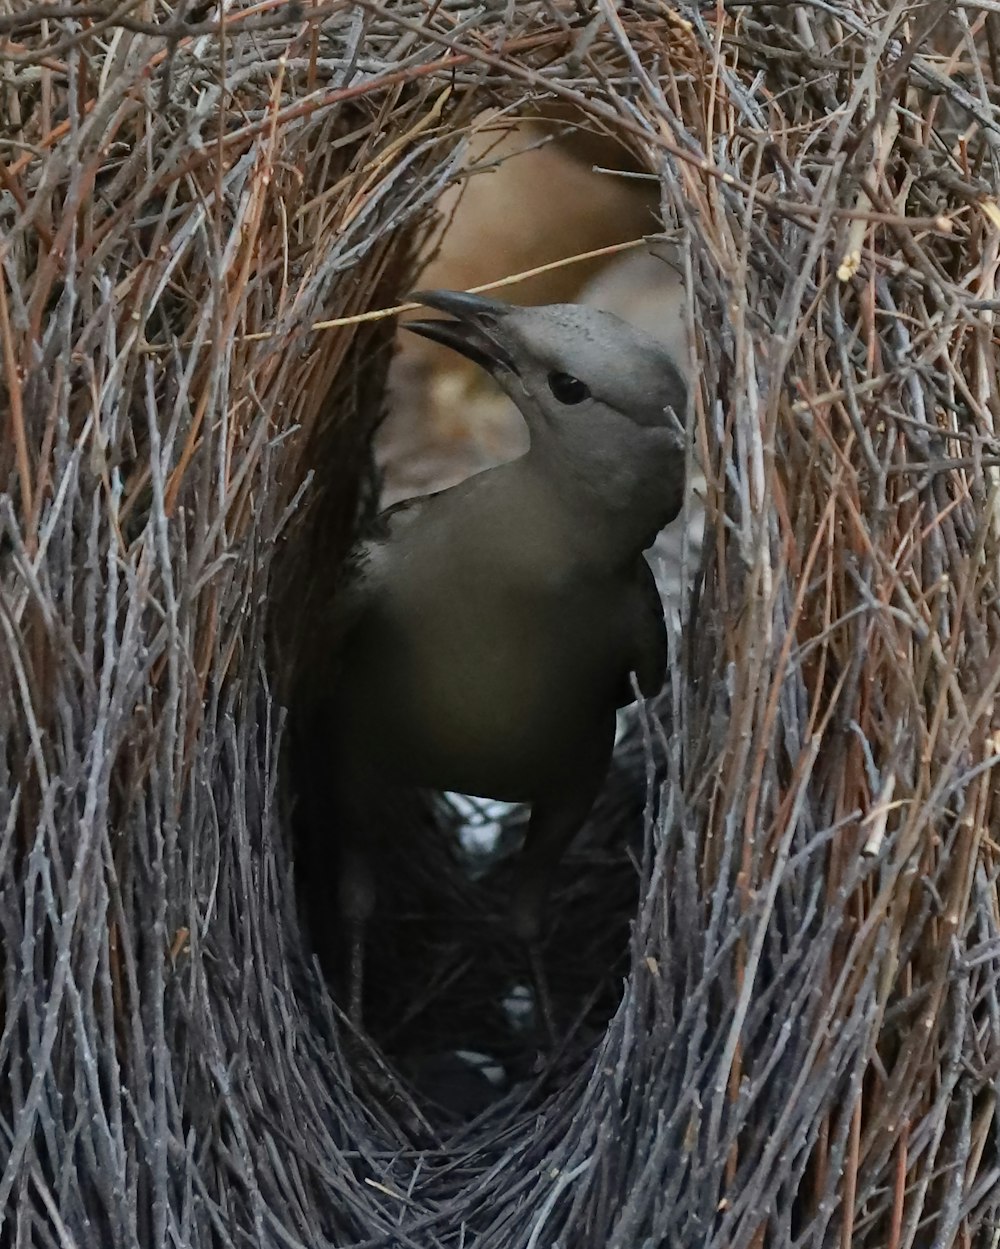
(615, 487)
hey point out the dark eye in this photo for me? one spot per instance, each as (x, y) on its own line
(568, 389)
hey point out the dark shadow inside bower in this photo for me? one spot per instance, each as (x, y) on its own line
(449, 995)
(449, 992)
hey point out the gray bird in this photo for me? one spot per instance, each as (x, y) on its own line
(486, 635)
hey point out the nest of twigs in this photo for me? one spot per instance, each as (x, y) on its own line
(796, 1043)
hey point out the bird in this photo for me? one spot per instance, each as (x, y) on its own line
(483, 637)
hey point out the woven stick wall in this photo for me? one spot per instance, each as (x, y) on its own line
(807, 1048)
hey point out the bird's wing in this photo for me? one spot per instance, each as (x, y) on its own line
(390, 522)
(330, 617)
(360, 576)
(649, 661)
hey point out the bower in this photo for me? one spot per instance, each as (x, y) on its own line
(778, 944)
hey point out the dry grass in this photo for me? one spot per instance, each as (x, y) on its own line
(808, 1046)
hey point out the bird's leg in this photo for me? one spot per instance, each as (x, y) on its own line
(556, 818)
(551, 829)
(356, 897)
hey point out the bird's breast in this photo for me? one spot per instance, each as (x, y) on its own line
(484, 689)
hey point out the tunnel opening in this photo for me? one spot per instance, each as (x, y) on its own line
(451, 998)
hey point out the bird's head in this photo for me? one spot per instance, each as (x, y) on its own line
(597, 393)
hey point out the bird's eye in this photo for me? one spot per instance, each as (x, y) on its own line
(568, 389)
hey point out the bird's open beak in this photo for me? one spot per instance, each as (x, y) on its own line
(475, 331)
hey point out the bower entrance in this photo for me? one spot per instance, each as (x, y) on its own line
(450, 996)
